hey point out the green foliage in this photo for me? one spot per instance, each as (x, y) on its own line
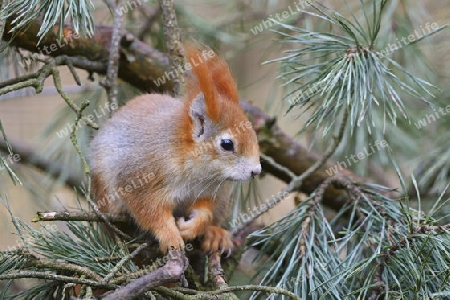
(432, 168)
(343, 62)
(329, 72)
(54, 13)
(49, 251)
(381, 241)
(3, 161)
(368, 249)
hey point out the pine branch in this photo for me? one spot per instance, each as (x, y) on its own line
(37, 79)
(378, 239)
(171, 272)
(30, 156)
(149, 65)
(394, 249)
(122, 261)
(53, 14)
(297, 181)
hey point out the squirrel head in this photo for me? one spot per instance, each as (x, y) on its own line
(218, 135)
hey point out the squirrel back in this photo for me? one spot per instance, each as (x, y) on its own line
(158, 155)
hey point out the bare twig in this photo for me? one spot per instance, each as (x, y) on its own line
(76, 216)
(70, 103)
(122, 261)
(298, 181)
(110, 82)
(30, 80)
(64, 266)
(269, 160)
(36, 80)
(133, 275)
(30, 155)
(171, 272)
(56, 277)
(260, 288)
(216, 271)
(217, 274)
(105, 219)
(173, 44)
(73, 137)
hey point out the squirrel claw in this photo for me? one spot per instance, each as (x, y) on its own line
(217, 239)
(226, 251)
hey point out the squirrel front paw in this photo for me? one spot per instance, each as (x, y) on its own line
(217, 239)
(195, 226)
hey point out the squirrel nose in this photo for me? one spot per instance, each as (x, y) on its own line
(256, 171)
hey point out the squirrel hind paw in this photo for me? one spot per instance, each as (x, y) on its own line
(169, 242)
(165, 248)
(217, 239)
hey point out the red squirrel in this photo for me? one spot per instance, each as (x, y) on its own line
(165, 161)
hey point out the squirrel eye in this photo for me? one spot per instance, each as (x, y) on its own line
(227, 145)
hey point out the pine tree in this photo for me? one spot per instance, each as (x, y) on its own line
(357, 75)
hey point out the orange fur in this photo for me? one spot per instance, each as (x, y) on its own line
(202, 82)
(100, 188)
(212, 77)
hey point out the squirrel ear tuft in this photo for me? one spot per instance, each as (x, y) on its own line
(202, 123)
(223, 80)
(202, 82)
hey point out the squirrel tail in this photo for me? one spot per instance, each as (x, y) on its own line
(212, 77)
